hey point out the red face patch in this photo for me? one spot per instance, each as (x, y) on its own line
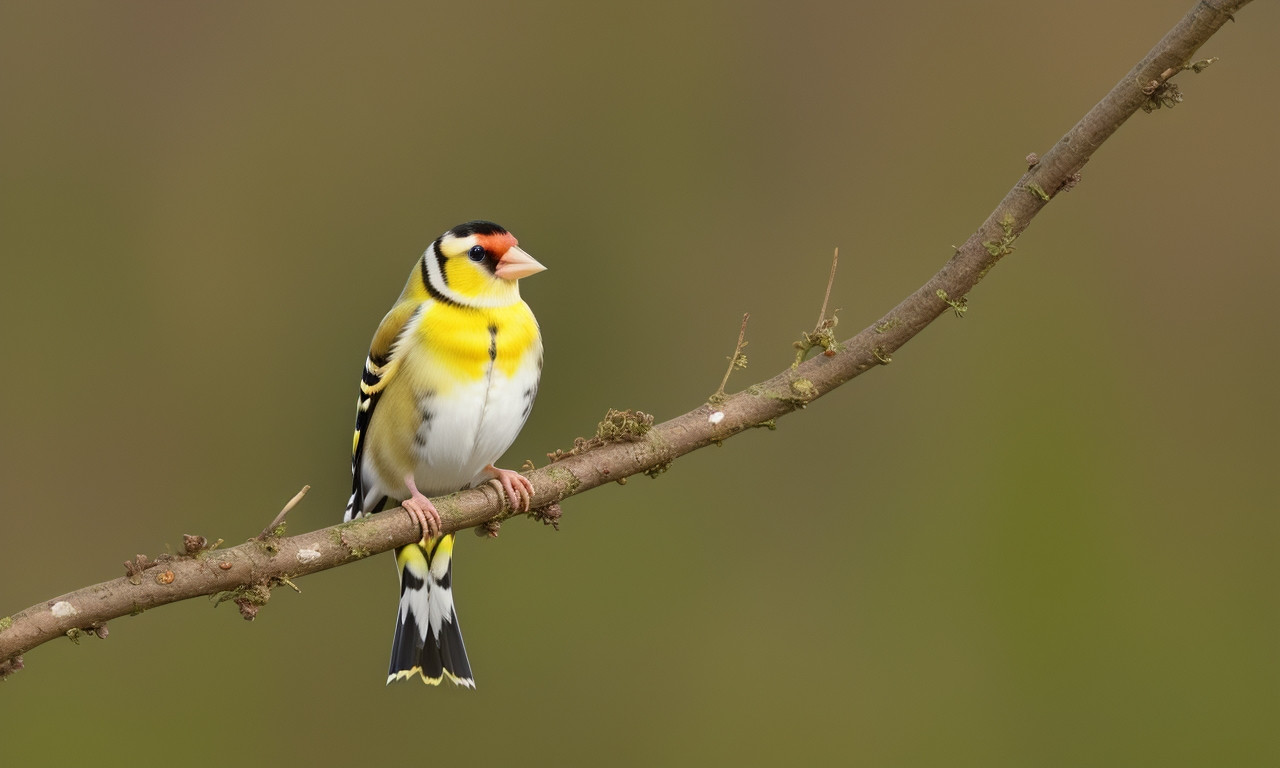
(498, 245)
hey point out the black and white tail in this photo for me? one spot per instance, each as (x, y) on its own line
(428, 642)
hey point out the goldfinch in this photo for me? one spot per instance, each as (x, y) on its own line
(449, 381)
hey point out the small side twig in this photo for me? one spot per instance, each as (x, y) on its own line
(736, 361)
(274, 529)
(831, 279)
(823, 334)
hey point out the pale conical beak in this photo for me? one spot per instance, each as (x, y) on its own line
(515, 264)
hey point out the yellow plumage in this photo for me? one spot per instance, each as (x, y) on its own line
(451, 376)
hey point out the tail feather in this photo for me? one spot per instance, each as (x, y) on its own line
(428, 642)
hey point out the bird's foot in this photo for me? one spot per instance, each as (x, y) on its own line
(513, 487)
(421, 509)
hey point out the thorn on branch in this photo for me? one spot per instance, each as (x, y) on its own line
(489, 529)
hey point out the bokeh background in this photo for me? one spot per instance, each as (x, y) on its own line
(1045, 535)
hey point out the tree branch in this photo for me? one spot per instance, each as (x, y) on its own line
(626, 443)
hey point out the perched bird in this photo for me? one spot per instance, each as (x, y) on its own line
(449, 382)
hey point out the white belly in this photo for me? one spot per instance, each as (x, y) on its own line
(470, 429)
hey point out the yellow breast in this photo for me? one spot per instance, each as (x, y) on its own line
(464, 342)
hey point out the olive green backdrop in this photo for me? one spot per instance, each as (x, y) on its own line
(1045, 535)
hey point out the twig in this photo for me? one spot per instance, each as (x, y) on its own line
(824, 331)
(736, 360)
(822, 316)
(273, 529)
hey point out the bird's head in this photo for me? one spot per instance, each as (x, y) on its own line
(477, 263)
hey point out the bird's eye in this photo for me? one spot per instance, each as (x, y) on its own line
(476, 253)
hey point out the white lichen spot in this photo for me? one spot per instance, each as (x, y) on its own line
(62, 609)
(308, 555)
(716, 417)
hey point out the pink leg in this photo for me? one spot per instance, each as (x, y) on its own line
(421, 509)
(517, 487)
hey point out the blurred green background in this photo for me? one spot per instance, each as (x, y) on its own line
(1045, 535)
